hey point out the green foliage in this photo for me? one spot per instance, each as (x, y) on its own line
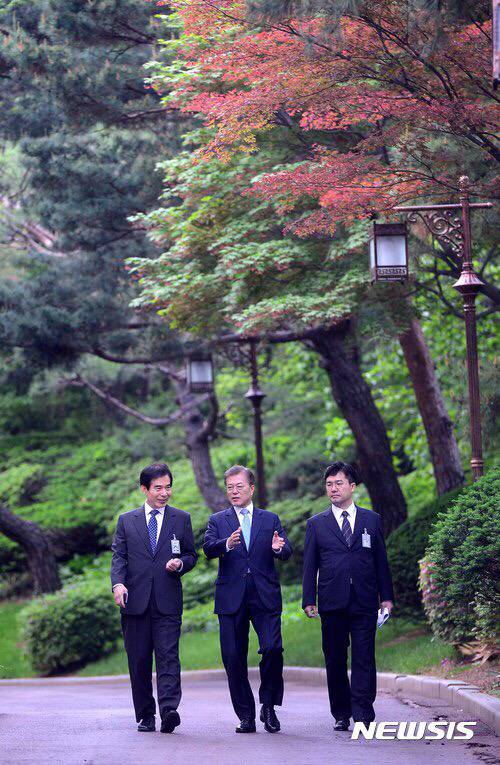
(83, 133)
(227, 262)
(293, 514)
(405, 547)
(460, 572)
(21, 484)
(71, 627)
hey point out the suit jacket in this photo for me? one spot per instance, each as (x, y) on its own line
(134, 565)
(327, 552)
(234, 564)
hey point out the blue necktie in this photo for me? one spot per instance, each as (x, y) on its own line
(246, 525)
(153, 530)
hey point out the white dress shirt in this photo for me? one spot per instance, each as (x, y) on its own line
(159, 520)
(337, 512)
(159, 517)
(238, 512)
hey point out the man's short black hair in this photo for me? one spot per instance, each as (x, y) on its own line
(349, 470)
(235, 469)
(156, 470)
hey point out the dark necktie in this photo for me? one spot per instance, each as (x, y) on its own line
(346, 528)
(153, 530)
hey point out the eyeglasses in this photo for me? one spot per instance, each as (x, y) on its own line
(238, 487)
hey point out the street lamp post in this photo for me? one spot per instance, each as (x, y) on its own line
(256, 396)
(243, 351)
(452, 223)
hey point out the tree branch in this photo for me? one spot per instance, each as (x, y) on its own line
(79, 381)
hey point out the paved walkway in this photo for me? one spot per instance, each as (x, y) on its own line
(92, 724)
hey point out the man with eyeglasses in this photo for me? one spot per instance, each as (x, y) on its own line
(153, 548)
(248, 541)
(345, 545)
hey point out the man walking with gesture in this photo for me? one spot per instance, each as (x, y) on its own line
(247, 542)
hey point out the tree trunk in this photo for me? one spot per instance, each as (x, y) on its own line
(353, 397)
(41, 559)
(198, 433)
(443, 447)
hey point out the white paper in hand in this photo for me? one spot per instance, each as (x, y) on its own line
(383, 615)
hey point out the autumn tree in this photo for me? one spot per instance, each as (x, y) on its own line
(356, 113)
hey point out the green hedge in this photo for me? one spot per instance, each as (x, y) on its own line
(71, 627)
(461, 569)
(406, 546)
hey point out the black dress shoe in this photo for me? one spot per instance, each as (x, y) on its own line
(147, 725)
(341, 724)
(246, 726)
(268, 717)
(169, 721)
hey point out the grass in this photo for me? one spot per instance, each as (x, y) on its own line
(402, 646)
(13, 663)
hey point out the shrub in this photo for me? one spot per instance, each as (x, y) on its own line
(405, 546)
(460, 572)
(71, 627)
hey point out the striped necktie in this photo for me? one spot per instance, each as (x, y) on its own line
(153, 530)
(346, 528)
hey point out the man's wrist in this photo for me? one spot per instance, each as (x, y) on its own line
(227, 545)
(118, 584)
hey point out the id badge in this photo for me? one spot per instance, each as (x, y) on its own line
(366, 539)
(176, 546)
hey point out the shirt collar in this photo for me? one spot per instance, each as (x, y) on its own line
(337, 511)
(148, 509)
(249, 507)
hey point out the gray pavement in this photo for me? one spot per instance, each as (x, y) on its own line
(92, 724)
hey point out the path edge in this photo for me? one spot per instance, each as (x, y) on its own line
(458, 693)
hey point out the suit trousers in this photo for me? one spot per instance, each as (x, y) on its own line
(151, 632)
(234, 630)
(359, 624)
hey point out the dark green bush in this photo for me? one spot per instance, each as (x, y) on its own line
(461, 570)
(71, 627)
(405, 546)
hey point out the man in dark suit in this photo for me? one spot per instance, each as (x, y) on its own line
(152, 548)
(346, 546)
(247, 542)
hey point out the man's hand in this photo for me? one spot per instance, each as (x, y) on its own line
(234, 539)
(173, 564)
(278, 542)
(387, 604)
(311, 611)
(120, 594)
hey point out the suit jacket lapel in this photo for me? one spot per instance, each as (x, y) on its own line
(142, 528)
(167, 527)
(232, 519)
(256, 524)
(359, 524)
(333, 525)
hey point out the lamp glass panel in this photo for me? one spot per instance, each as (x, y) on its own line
(391, 251)
(201, 372)
(372, 253)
